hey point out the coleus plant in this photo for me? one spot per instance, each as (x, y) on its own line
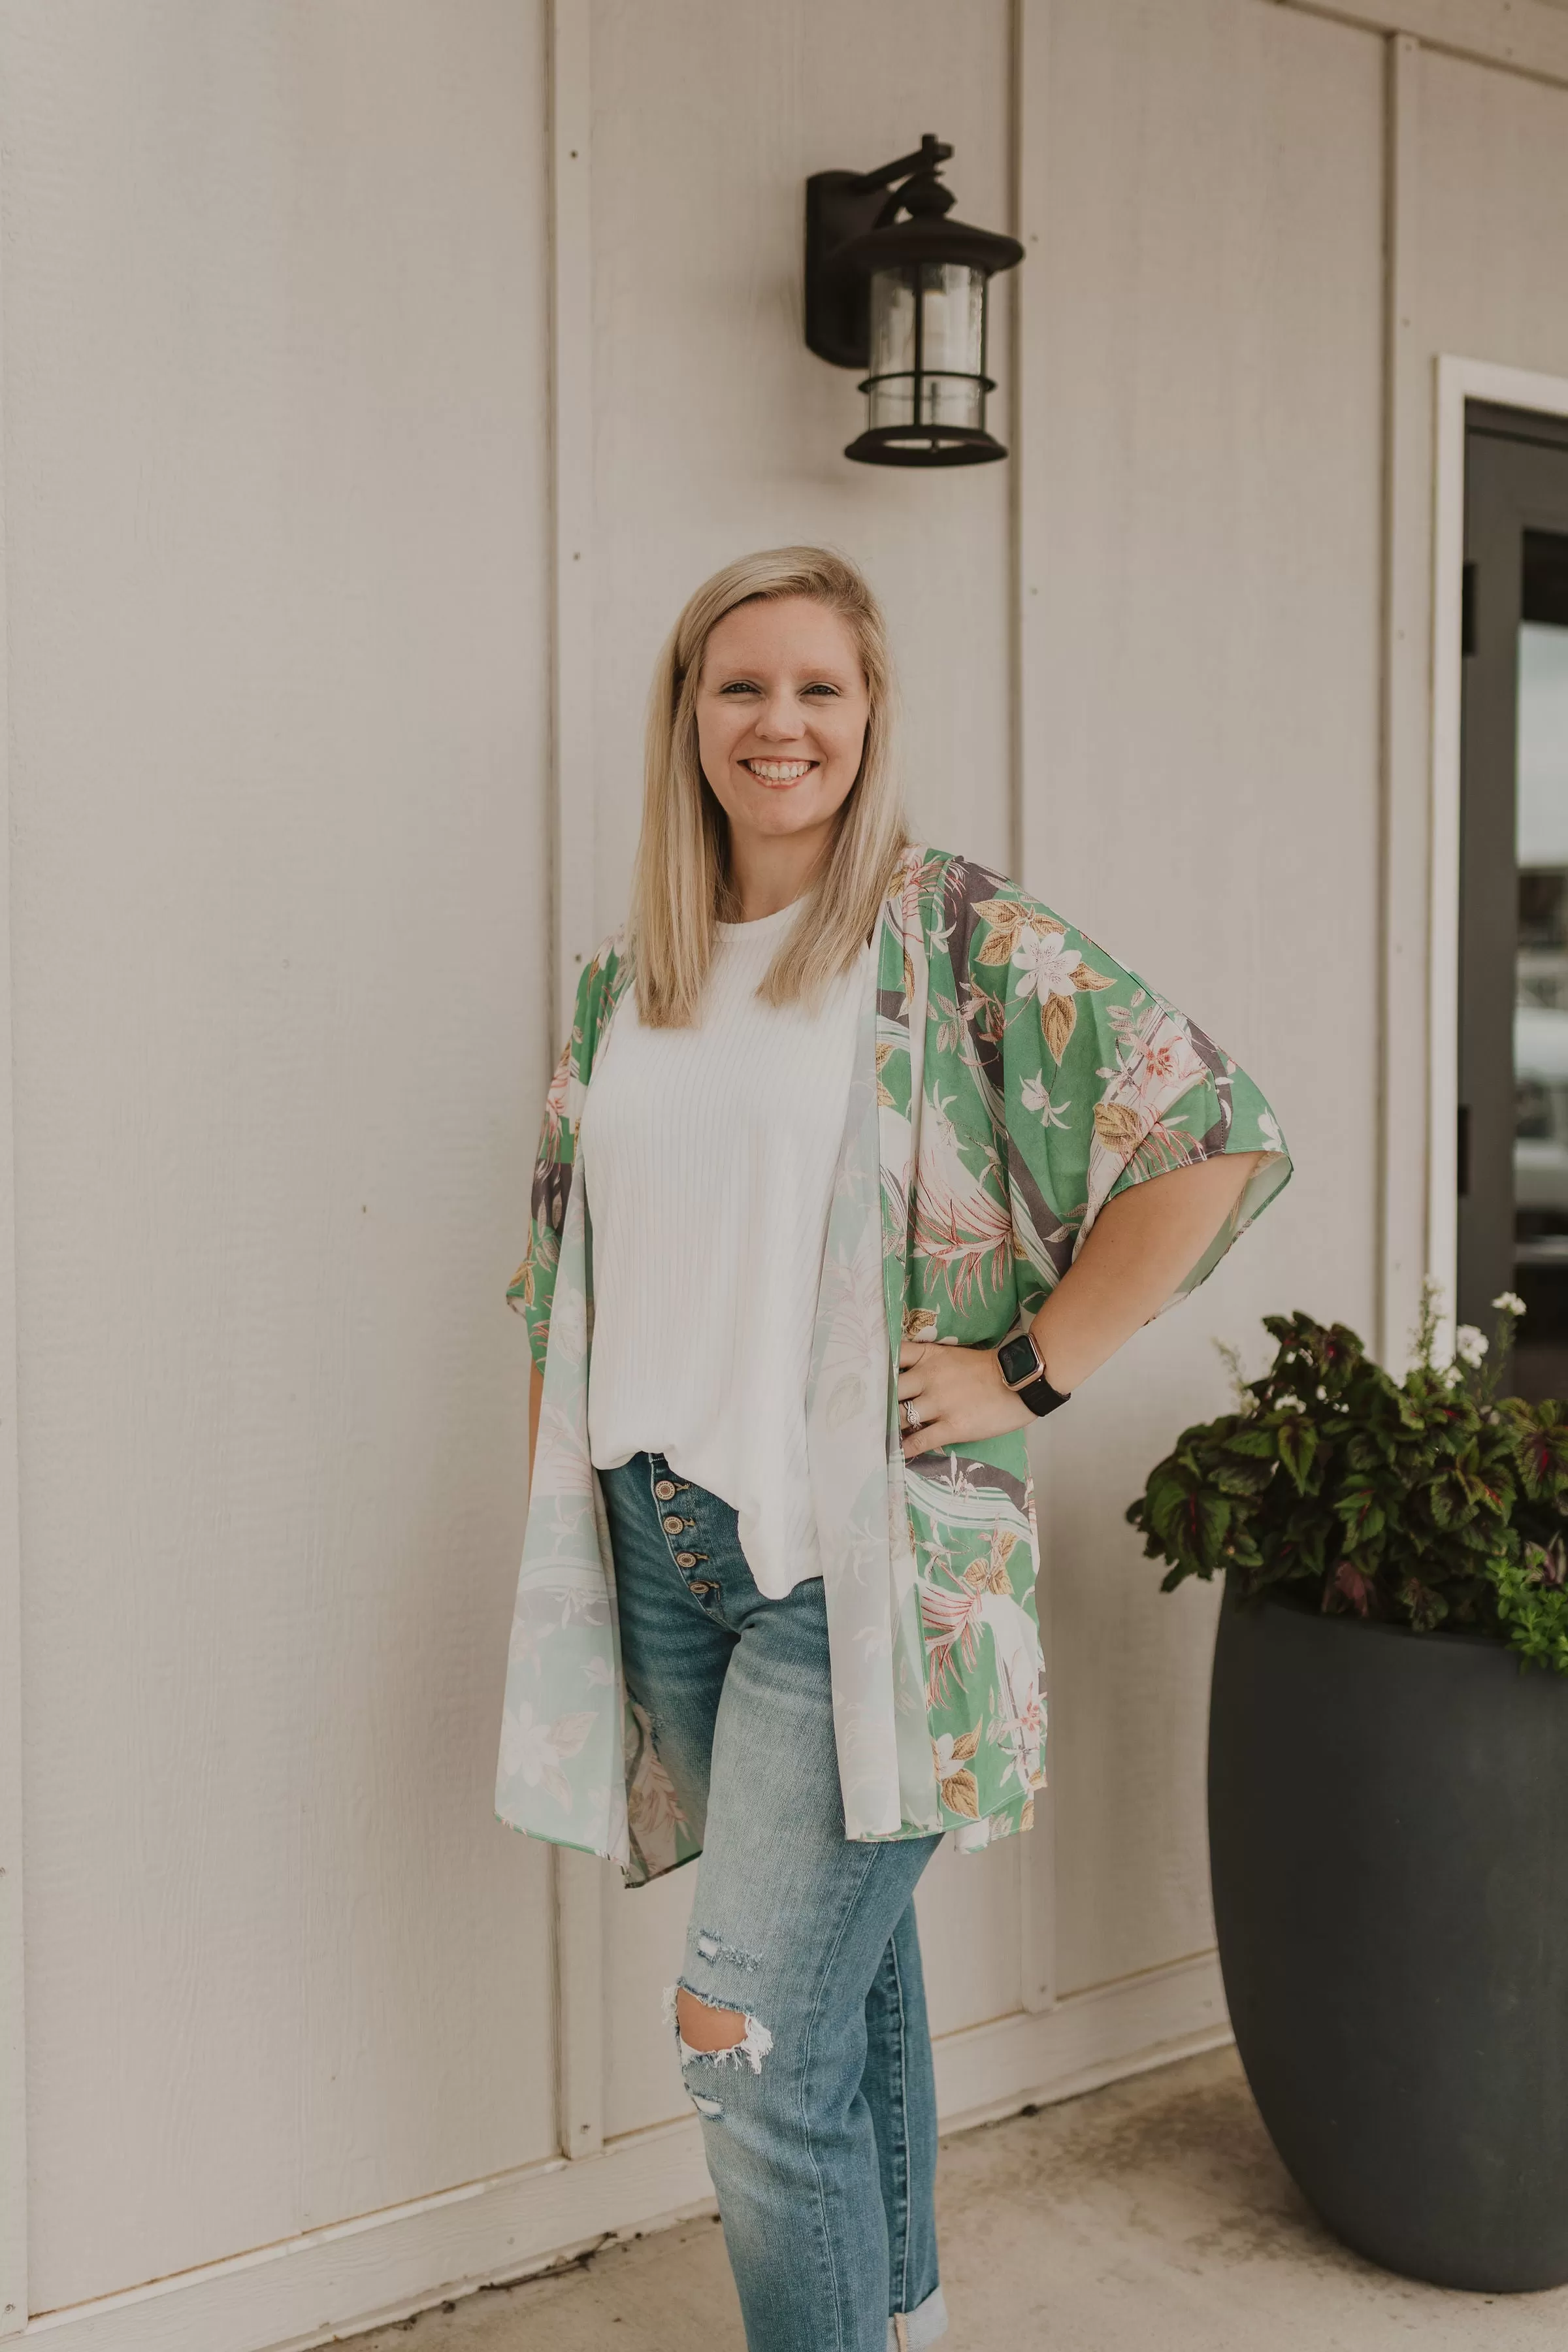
(1429, 1502)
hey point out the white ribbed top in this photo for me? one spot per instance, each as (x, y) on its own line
(708, 1154)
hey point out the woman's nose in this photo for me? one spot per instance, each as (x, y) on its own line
(780, 719)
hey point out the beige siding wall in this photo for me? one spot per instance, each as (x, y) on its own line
(1200, 788)
(1493, 216)
(275, 486)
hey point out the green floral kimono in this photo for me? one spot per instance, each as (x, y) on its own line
(1011, 1078)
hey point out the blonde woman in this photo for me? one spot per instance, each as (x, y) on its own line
(858, 1161)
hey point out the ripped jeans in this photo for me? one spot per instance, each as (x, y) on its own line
(820, 2124)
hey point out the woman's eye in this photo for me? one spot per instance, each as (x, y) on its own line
(738, 686)
(822, 687)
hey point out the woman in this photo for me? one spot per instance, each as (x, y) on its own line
(838, 1113)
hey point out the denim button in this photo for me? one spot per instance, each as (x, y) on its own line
(686, 1559)
(664, 1489)
(697, 1586)
(673, 1525)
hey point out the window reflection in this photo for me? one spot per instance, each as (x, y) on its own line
(1540, 1016)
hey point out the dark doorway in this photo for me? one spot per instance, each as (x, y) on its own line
(1513, 889)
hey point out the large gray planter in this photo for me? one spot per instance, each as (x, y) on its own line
(1388, 1827)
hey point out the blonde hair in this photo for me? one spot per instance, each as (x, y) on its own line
(681, 886)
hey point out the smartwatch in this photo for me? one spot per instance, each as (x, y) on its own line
(1025, 1374)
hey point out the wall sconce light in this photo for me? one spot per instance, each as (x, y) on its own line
(906, 299)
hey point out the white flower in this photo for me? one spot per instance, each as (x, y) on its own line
(1470, 1345)
(1046, 964)
(1037, 1098)
(1509, 1302)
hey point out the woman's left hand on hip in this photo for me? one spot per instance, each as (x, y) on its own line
(958, 1394)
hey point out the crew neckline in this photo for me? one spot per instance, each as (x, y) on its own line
(763, 926)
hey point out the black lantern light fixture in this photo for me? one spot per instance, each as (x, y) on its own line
(894, 286)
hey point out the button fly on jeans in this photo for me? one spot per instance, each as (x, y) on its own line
(664, 1489)
(686, 1559)
(696, 1585)
(673, 1525)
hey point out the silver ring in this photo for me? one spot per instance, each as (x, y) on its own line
(911, 1413)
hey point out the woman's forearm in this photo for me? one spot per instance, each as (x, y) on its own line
(1140, 1246)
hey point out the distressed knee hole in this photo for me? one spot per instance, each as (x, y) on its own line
(705, 2027)
(707, 2030)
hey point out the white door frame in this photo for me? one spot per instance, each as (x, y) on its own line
(1457, 381)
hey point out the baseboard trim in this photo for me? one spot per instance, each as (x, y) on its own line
(332, 2282)
(1086, 2040)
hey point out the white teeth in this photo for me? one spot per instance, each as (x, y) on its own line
(780, 771)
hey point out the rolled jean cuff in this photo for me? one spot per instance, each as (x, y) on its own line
(920, 2327)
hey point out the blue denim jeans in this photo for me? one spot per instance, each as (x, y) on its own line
(819, 2126)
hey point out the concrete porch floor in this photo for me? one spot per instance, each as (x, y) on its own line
(1152, 2216)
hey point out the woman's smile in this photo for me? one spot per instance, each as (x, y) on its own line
(779, 772)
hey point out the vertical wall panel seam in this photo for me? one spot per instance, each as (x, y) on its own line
(1031, 34)
(1015, 127)
(13, 2035)
(574, 935)
(1029, 126)
(576, 1880)
(1404, 682)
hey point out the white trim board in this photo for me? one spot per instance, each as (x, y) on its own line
(332, 2282)
(576, 1880)
(13, 2035)
(571, 499)
(578, 1884)
(1405, 714)
(1527, 36)
(1457, 382)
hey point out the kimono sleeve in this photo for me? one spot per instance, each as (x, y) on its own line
(533, 1286)
(1107, 1084)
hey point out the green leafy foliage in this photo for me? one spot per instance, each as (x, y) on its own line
(1429, 1502)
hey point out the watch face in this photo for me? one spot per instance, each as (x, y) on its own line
(1018, 1359)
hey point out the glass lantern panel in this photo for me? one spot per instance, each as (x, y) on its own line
(890, 402)
(954, 400)
(952, 298)
(892, 322)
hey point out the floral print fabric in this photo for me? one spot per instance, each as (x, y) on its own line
(1011, 1078)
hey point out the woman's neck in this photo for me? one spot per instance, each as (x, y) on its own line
(771, 871)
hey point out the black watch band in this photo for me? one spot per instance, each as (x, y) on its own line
(1039, 1395)
(1037, 1392)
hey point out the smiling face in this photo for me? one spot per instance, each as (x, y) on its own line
(782, 706)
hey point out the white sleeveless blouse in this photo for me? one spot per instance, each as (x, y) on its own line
(708, 1155)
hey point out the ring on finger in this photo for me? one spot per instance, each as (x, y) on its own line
(911, 1413)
